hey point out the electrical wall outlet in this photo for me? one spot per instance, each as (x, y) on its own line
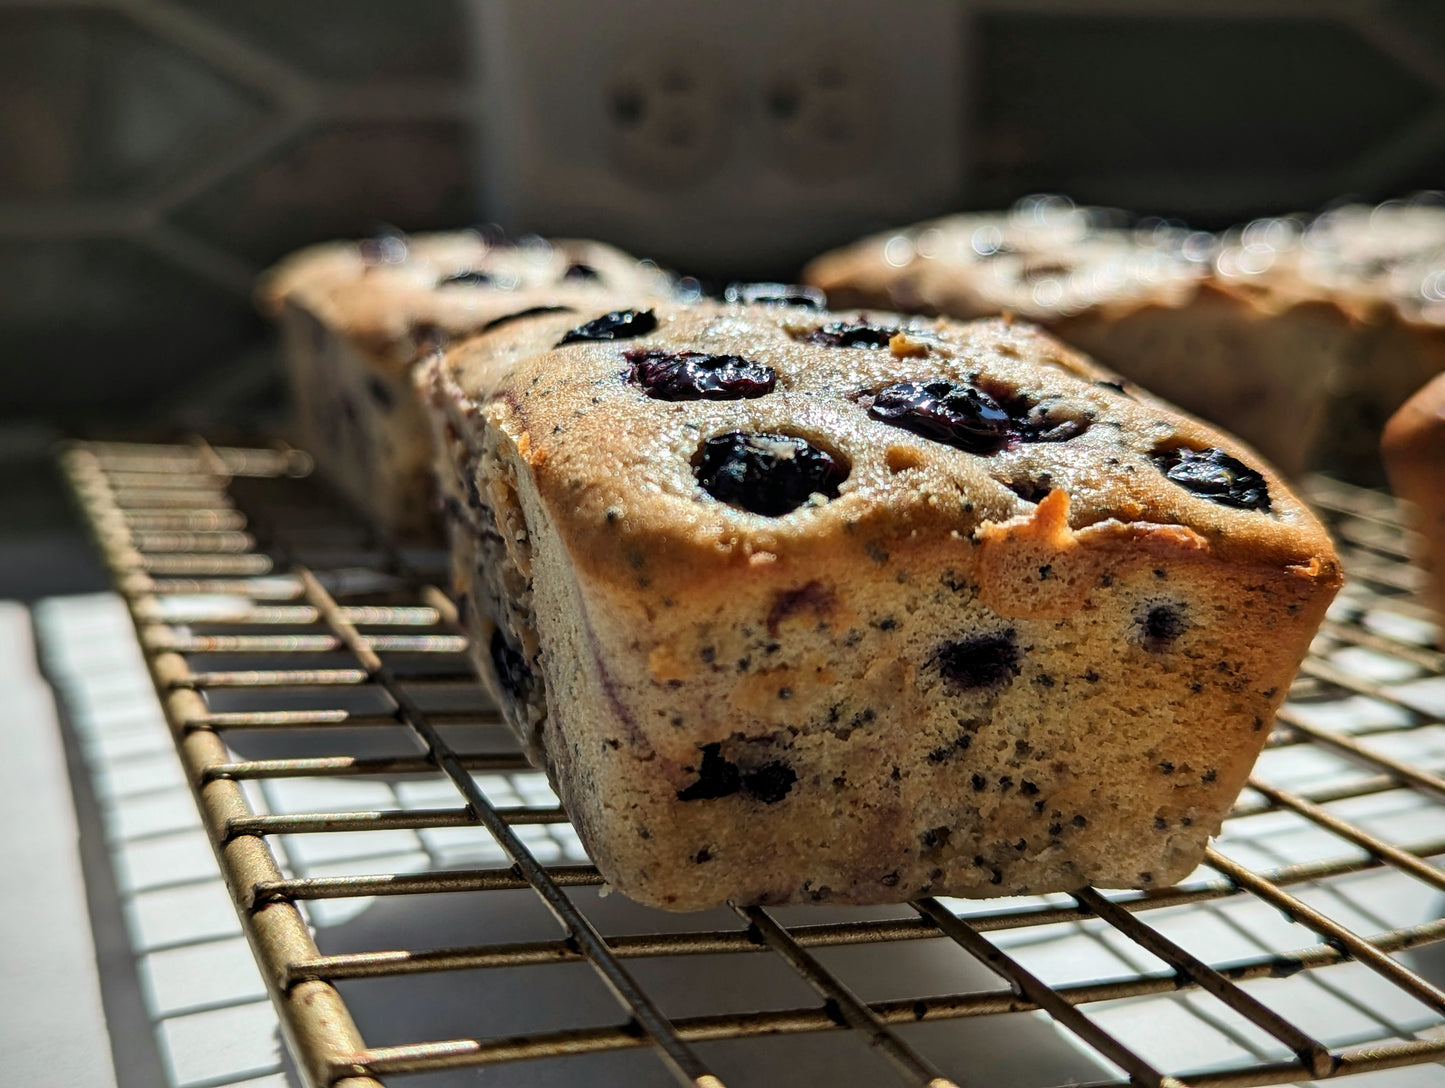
(730, 138)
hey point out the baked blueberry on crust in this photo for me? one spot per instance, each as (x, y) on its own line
(357, 317)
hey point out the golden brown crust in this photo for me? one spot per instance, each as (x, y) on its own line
(356, 316)
(779, 709)
(389, 295)
(1328, 322)
(594, 445)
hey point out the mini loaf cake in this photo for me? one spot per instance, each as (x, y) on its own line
(1382, 269)
(801, 606)
(1301, 336)
(356, 316)
(1413, 449)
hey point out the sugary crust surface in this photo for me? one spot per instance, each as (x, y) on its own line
(1366, 258)
(1329, 322)
(356, 316)
(388, 294)
(1047, 260)
(1043, 260)
(758, 708)
(1413, 449)
(593, 437)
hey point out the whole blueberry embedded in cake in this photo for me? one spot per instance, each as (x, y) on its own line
(472, 277)
(771, 782)
(510, 666)
(618, 325)
(719, 777)
(693, 375)
(852, 334)
(716, 777)
(981, 662)
(962, 415)
(776, 294)
(769, 474)
(1215, 475)
(949, 412)
(1160, 625)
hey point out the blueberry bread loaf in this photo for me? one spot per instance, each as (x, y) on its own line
(356, 316)
(1300, 335)
(1414, 453)
(801, 606)
(1381, 270)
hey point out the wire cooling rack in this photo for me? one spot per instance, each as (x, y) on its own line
(328, 724)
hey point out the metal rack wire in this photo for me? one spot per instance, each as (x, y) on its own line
(265, 610)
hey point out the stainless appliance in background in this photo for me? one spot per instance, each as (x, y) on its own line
(156, 154)
(735, 138)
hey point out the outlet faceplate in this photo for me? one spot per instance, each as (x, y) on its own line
(733, 138)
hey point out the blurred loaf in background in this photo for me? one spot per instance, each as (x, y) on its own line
(1413, 449)
(1301, 334)
(357, 316)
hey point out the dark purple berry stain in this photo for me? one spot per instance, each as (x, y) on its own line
(775, 294)
(618, 325)
(578, 272)
(981, 662)
(471, 278)
(962, 415)
(769, 474)
(771, 782)
(958, 415)
(719, 777)
(1160, 625)
(510, 666)
(692, 375)
(813, 597)
(852, 334)
(1215, 475)
(531, 311)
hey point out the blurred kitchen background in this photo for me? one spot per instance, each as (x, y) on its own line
(155, 155)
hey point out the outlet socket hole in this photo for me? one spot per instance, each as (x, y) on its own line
(628, 107)
(783, 102)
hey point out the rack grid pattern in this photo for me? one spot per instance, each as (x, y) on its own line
(266, 611)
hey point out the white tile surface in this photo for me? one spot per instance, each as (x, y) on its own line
(203, 993)
(165, 860)
(170, 916)
(52, 1026)
(229, 1043)
(199, 975)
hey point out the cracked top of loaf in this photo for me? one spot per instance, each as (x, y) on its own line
(392, 292)
(686, 439)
